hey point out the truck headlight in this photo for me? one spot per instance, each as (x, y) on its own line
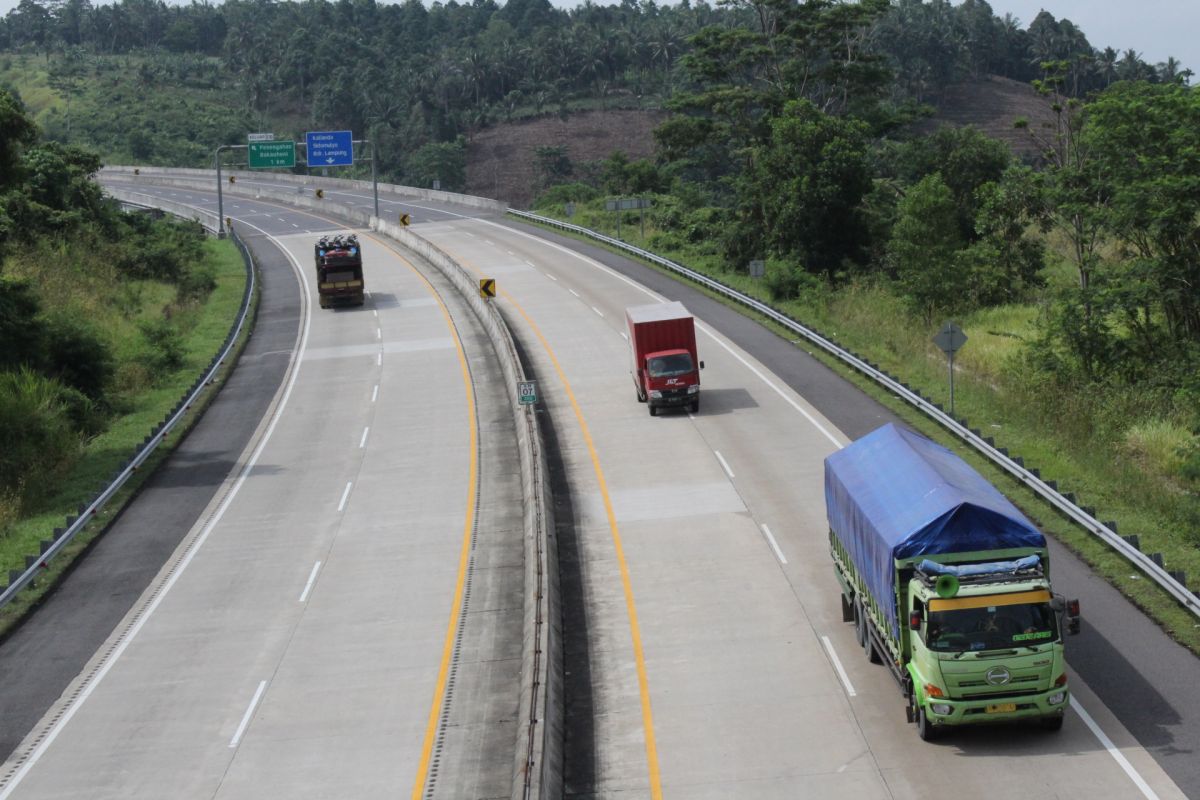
(656, 394)
(1057, 698)
(940, 708)
(695, 387)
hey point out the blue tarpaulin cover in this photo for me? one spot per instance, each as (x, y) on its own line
(894, 494)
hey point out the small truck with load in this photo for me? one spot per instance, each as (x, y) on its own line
(947, 583)
(339, 270)
(662, 348)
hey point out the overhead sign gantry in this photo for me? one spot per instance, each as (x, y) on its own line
(322, 149)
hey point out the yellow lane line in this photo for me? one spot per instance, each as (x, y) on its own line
(439, 692)
(626, 584)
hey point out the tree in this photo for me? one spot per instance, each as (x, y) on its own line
(17, 132)
(966, 160)
(806, 185)
(1142, 139)
(445, 162)
(924, 247)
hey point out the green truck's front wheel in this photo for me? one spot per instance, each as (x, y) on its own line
(925, 728)
(1052, 723)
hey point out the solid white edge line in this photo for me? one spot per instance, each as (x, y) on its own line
(345, 494)
(724, 464)
(770, 384)
(837, 666)
(241, 729)
(598, 312)
(774, 545)
(596, 264)
(312, 578)
(1114, 751)
(362, 443)
(375, 393)
(40, 750)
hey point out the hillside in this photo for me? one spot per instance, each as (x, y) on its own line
(992, 105)
(501, 160)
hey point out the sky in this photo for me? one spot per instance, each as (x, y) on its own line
(1154, 28)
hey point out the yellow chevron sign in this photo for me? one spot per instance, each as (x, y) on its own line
(487, 288)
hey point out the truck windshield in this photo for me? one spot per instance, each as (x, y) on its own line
(991, 627)
(667, 366)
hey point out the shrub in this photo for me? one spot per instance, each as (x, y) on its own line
(77, 356)
(165, 351)
(565, 193)
(36, 428)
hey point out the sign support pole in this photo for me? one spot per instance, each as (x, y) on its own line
(220, 194)
(952, 383)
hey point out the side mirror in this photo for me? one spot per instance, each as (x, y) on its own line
(914, 621)
(1058, 604)
(1073, 617)
(701, 365)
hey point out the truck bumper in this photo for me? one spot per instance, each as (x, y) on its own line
(986, 711)
(673, 399)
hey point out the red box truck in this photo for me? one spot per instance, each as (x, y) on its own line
(662, 346)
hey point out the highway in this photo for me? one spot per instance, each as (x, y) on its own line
(334, 620)
(705, 651)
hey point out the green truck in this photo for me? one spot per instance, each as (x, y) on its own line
(947, 583)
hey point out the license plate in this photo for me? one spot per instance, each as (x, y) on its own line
(1001, 708)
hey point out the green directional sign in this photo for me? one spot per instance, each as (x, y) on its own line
(269, 155)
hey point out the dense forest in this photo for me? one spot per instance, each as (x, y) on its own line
(790, 138)
(415, 78)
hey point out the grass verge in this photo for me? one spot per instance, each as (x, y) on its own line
(206, 332)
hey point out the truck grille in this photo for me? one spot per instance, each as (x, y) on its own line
(1019, 685)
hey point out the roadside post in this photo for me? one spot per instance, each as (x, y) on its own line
(950, 339)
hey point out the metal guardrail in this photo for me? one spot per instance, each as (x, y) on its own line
(1000, 458)
(63, 536)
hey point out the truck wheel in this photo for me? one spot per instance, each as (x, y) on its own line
(925, 729)
(1052, 723)
(869, 643)
(847, 609)
(654, 411)
(695, 406)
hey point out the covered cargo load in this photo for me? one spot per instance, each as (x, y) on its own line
(896, 495)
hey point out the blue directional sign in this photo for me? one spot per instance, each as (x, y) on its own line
(330, 148)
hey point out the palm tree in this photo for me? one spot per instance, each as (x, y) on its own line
(1106, 65)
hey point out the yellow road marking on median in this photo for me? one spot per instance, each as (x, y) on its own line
(626, 584)
(439, 692)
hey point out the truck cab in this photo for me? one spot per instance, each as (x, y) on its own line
(986, 647)
(671, 378)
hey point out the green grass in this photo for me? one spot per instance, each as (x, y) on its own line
(1105, 450)
(206, 327)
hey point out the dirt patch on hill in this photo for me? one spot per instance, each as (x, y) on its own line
(501, 160)
(993, 104)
